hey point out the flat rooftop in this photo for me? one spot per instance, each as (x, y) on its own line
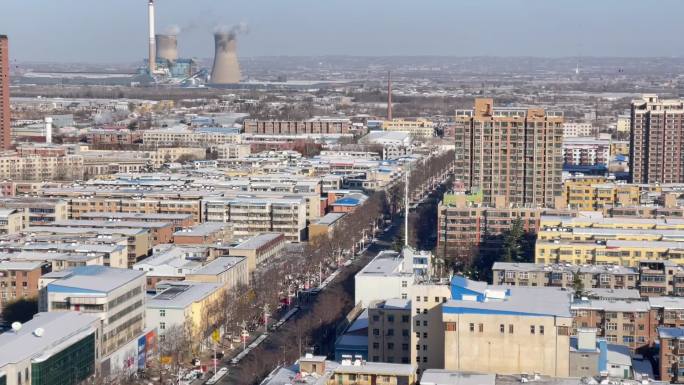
(180, 295)
(91, 279)
(60, 330)
(218, 266)
(258, 241)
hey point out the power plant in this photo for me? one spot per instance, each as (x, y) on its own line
(165, 66)
(226, 69)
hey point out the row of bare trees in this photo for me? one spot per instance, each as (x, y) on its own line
(272, 287)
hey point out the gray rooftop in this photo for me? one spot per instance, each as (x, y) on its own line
(180, 295)
(612, 305)
(219, 265)
(386, 263)
(544, 301)
(101, 279)
(450, 377)
(330, 218)
(257, 241)
(60, 330)
(379, 368)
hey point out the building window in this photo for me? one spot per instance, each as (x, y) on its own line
(376, 359)
(390, 346)
(417, 298)
(510, 329)
(390, 318)
(162, 326)
(425, 359)
(424, 334)
(405, 318)
(532, 329)
(376, 318)
(376, 332)
(376, 345)
(502, 329)
(162, 313)
(472, 327)
(403, 296)
(417, 322)
(425, 323)
(437, 299)
(404, 283)
(390, 332)
(405, 332)
(417, 310)
(541, 329)
(404, 347)
(480, 328)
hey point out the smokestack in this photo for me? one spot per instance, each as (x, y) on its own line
(389, 95)
(151, 58)
(48, 129)
(226, 69)
(167, 47)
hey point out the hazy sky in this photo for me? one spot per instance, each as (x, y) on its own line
(116, 30)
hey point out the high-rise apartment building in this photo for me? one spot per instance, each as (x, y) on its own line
(5, 139)
(656, 139)
(511, 152)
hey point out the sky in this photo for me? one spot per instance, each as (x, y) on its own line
(100, 31)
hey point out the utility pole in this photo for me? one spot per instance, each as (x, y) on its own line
(244, 335)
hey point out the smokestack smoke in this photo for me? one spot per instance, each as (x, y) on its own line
(226, 68)
(167, 47)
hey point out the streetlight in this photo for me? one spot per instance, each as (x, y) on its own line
(266, 318)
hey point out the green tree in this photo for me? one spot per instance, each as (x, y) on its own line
(577, 285)
(514, 239)
(20, 310)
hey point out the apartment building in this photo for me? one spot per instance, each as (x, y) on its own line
(656, 136)
(190, 305)
(37, 211)
(427, 328)
(661, 278)
(627, 323)
(462, 225)
(389, 331)
(179, 221)
(671, 355)
(586, 151)
(19, 279)
(232, 150)
(229, 272)
(293, 127)
(37, 168)
(373, 373)
(511, 152)
(170, 263)
(179, 137)
(593, 239)
(418, 129)
(574, 129)
(51, 348)
(11, 221)
(259, 249)
(204, 234)
(563, 275)
(252, 216)
(506, 330)
(116, 296)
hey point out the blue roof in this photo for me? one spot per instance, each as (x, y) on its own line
(219, 130)
(347, 202)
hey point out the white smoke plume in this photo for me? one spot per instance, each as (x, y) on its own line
(232, 30)
(172, 30)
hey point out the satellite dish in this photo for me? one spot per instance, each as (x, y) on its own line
(16, 326)
(39, 332)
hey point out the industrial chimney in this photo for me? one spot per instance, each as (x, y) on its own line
(152, 61)
(48, 129)
(226, 69)
(167, 47)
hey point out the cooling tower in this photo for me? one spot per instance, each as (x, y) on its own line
(167, 47)
(226, 69)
